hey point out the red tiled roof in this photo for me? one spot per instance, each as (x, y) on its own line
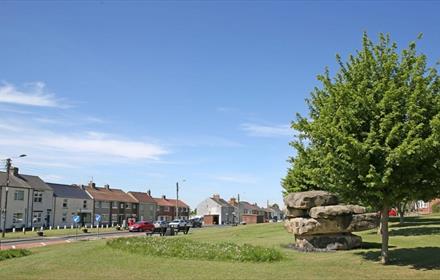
(142, 197)
(110, 194)
(170, 202)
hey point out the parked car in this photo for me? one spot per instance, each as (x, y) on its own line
(196, 222)
(141, 226)
(178, 223)
(160, 224)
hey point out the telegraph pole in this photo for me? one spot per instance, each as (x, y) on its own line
(238, 206)
(8, 170)
(177, 200)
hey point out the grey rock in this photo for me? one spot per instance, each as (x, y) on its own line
(335, 210)
(307, 200)
(294, 213)
(328, 242)
(332, 225)
(362, 222)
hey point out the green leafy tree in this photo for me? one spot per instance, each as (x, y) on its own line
(373, 131)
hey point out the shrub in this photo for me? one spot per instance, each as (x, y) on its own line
(189, 249)
(436, 208)
(14, 253)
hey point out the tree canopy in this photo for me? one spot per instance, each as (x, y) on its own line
(373, 130)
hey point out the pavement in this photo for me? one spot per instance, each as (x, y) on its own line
(45, 241)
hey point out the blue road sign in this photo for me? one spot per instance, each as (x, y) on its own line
(97, 218)
(76, 219)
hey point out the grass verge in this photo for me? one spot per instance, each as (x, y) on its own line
(191, 249)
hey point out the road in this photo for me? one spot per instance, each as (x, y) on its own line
(44, 241)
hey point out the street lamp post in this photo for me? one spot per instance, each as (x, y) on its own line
(8, 170)
(177, 199)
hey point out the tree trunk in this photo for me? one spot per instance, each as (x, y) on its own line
(402, 218)
(384, 231)
(402, 208)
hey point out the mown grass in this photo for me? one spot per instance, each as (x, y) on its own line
(412, 257)
(54, 232)
(13, 253)
(184, 248)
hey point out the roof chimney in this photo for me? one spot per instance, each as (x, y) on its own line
(107, 186)
(216, 196)
(14, 171)
(164, 197)
(92, 185)
(149, 192)
(233, 201)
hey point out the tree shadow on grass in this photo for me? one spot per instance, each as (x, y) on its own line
(414, 221)
(373, 245)
(423, 258)
(415, 231)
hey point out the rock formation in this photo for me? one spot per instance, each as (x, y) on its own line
(320, 223)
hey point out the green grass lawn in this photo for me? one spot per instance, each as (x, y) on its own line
(415, 254)
(54, 232)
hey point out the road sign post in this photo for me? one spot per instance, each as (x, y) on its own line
(98, 219)
(76, 220)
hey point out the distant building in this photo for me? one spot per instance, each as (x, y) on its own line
(147, 205)
(114, 205)
(426, 207)
(69, 201)
(249, 213)
(30, 201)
(166, 209)
(216, 210)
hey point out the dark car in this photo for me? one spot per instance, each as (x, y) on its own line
(142, 226)
(196, 222)
(161, 224)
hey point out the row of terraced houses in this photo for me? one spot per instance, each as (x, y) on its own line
(31, 202)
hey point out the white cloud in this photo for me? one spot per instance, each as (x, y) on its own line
(33, 94)
(74, 147)
(267, 130)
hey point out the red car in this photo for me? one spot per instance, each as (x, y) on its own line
(141, 226)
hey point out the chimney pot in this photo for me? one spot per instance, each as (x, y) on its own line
(149, 192)
(14, 171)
(107, 186)
(164, 197)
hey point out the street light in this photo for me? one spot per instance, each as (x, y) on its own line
(177, 198)
(4, 211)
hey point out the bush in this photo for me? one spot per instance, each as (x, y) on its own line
(14, 253)
(189, 249)
(436, 208)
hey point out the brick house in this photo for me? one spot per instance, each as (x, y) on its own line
(147, 205)
(426, 207)
(166, 209)
(249, 213)
(114, 205)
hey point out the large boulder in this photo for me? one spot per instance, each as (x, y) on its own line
(342, 241)
(336, 224)
(335, 210)
(294, 213)
(307, 200)
(362, 222)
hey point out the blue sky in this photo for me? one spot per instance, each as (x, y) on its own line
(139, 95)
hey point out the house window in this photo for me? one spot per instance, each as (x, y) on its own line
(166, 208)
(141, 207)
(64, 203)
(127, 206)
(36, 217)
(134, 206)
(17, 218)
(121, 205)
(64, 217)
(19, 195)
(104, 204)
(38, 196)
(115, 205)
(152, 208)
(85, 204)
